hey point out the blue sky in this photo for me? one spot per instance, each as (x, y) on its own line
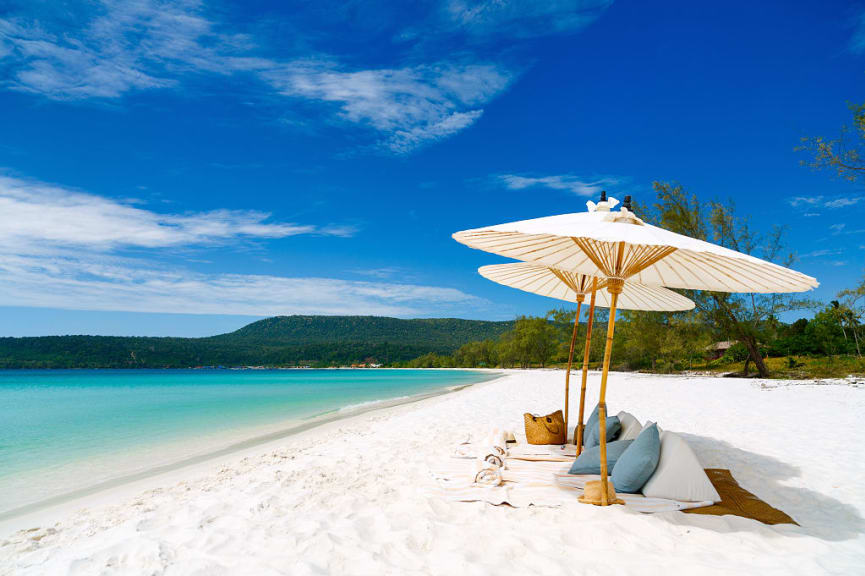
(236, 160)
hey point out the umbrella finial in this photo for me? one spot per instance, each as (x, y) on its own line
(603, 196)
(626, 205)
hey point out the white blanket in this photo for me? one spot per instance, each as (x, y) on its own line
(541, 483)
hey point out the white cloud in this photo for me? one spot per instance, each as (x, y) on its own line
(58, 249)
(836, 228)
(843, 202)
(822, 252)
(38, 216)
(123, 46)
(805, 201)
(519, 19)
(568, 182)
(89, 283)
(411, 106)
(145, 45)
(820, 201)
(111, 48)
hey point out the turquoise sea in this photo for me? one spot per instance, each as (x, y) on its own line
(67, 432)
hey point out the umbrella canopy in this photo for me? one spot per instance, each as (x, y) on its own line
(564, 285)
(589, 243)
(619, 246)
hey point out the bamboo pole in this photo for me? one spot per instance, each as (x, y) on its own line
(578, 434)
(602, 405)
(614, 287)
(580, 298)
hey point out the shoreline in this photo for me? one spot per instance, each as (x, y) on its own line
(103, 493)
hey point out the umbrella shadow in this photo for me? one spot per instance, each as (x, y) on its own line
(817, 514)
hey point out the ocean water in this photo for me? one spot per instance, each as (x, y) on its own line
(67, 432)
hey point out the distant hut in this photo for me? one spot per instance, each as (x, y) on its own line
(718, 349)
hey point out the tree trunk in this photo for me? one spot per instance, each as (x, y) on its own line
(754, 354)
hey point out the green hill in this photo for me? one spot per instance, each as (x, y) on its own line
(279, 341)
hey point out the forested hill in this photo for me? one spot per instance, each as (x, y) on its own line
(279, 341)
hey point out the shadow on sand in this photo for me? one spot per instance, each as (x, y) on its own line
(818, 514)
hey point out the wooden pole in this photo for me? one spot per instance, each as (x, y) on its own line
(614, 287)
(580, 298)
(578, 434)
(602, 405)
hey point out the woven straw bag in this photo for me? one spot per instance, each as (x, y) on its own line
(549, 429)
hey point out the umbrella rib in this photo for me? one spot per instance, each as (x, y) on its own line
(748, 270)
(639, 299)
(711, 271)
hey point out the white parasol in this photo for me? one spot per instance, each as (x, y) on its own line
(619, 246)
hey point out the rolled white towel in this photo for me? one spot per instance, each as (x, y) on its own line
(496, 460)
(490, 476)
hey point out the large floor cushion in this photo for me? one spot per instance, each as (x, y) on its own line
(589, 461)
(631, 427)
(679, 475)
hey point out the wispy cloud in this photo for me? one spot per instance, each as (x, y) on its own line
(38, 215)
(111, 48)
(798, 201)
(567, 182)
(811, 202)
(411, 106)
(62, 248)
(822, 252)
(523, 19)
(121, 47)
(843, 202)
(85, 283)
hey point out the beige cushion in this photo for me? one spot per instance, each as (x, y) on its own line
(679, 475)
(631, 427)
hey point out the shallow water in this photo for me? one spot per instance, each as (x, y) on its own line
(62, 431)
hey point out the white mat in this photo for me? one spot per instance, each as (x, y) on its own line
(535, 484)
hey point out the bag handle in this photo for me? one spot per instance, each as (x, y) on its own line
(546, 420)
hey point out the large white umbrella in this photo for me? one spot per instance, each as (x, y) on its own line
(619, 246)
(573, 287)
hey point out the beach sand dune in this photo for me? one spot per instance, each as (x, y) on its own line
(353, 496)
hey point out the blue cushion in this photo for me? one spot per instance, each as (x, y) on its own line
(591, 423)
(637, 464)
(589, 461)
(591, 435)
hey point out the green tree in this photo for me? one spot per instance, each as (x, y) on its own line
(739, 317)
(852, 311)
(826, 331)
(844, 155)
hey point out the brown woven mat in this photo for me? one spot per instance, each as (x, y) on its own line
(737, 501)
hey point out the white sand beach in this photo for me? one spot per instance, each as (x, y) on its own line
(355, 496)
